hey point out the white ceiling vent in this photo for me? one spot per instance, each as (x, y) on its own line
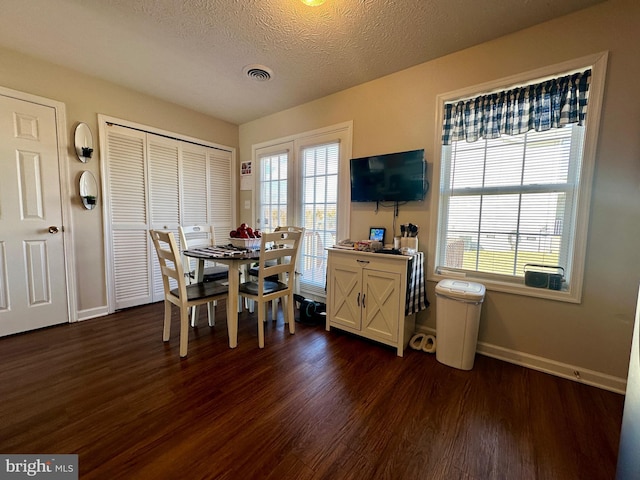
(260, 73)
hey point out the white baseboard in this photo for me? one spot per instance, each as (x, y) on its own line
(92, 313)
(570, 372)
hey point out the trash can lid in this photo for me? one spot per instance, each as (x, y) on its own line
(461, 289)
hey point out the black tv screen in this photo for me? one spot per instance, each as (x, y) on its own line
(394, 177)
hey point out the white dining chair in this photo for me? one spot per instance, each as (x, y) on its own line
(185, 295)
(276, 277)
(253, 271)
(203, 236)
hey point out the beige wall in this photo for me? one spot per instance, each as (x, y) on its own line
(398, 113)
(84, 98)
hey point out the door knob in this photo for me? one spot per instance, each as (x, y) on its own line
(53, 229)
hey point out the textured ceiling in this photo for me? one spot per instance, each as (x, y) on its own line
(192, 52)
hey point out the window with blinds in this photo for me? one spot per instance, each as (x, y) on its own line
(273, 190)
(509, 201)
(514, 178)
(303, 181)
(320, 212)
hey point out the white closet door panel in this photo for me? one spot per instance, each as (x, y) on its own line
(194, 185)
(130, 271)
(125, 159)
(221, 196)
(164, 195)
(164, 192)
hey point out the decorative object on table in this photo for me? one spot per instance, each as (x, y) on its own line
(245, 237)
(346, 244)
(83, 141)
(367, 246)
(88, 190)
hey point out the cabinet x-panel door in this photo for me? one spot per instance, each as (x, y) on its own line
(345, 299)
(381, 304)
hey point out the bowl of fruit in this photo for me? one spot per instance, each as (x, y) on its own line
(245, 237)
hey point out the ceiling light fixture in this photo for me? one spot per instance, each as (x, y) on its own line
(313, 3)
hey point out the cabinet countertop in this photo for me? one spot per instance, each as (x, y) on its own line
(405, 258)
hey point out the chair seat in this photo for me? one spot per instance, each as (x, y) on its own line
(202, 290)
(213, 274)
(251, 288)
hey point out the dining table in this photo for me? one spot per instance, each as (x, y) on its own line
(237, 259)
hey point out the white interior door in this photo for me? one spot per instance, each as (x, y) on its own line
(33, 288)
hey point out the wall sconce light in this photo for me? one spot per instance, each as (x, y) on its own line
(313, 3)
(83, 141)
(88, 190)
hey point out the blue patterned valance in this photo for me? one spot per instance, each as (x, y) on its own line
(550, 104)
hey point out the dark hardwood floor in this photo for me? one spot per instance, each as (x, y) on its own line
(313, 405)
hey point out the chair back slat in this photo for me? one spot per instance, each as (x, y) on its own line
(170, 260)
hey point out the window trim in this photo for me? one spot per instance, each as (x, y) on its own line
(598, 64)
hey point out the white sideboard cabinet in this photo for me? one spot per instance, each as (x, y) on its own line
(366, 295)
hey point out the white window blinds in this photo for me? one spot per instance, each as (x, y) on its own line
(320, 212)
(273, 191)
(509, 201)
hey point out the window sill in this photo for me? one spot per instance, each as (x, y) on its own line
(569, 296)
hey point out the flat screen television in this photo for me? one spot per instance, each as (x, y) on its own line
(393, 177)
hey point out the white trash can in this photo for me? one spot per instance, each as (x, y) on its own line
(458, 305)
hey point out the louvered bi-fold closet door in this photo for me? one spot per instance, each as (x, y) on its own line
(207, 189)
(164, 196)
(158, 182)
(221, 193)
(129, 249)
(194, 185)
